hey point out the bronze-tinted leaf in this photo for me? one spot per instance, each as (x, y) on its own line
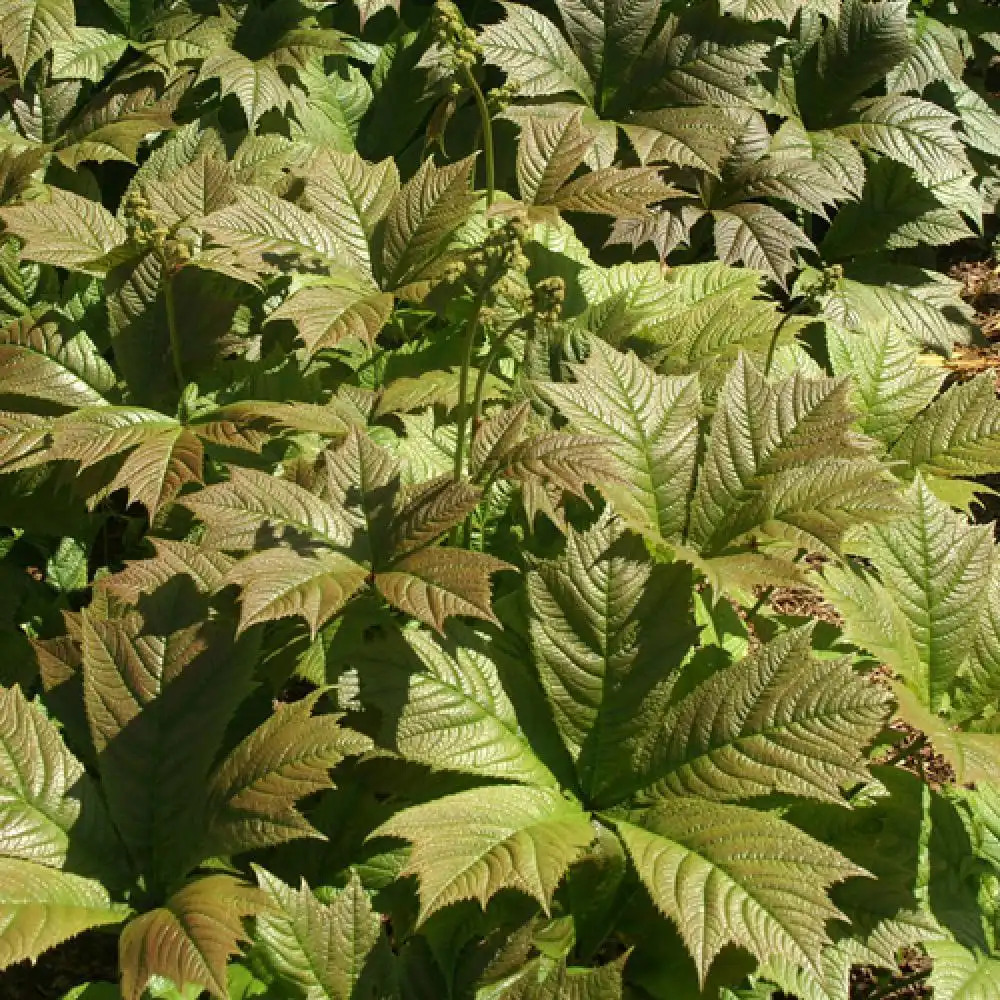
(189, 939)
(434, 584)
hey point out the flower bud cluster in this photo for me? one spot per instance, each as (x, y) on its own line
(547, 298)
(147, 230)
(458, 41)
(502, 97)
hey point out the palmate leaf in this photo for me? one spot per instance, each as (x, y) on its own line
(198, 189)
(41, 907)
(777, 721)
(189, 939)
(935, 56)
(782, 460)
(498, 837)
(251, 423)
(256, 83)
(361, 484)
(421, 218)
(64, 229)
(727, 874)
(445, 706)
(607, 34)
(959, 974)
(30, 28)
(21, 436)
(914, 132)
(236, 513)
(550, 151)
(923, 616)
(650, 422)
(889, 386)
(46, 798)
(163, 455)
(87, 54)
(282, 583)
(351, 195)
(530, 49)
(326, 314)
(957, 435)
(697, 137)
(262, 228)
(252, 794)
(699, 60)
(924, 305)
(39, 361)
(205, 567)
(880, 949)
(331, 951)
(838, 157)
(433, 584)
(895, 212)
(604, 656)
(154, 750)
(760, 237)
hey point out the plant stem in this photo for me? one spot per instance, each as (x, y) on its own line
(175, 343)
(484, 114)
(484, 373)
(462, 415)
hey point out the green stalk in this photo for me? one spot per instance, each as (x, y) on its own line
(484, 114)
(462, 415)
(175, 343)
(484, 372)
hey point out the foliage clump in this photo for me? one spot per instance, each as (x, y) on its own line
(407, 415)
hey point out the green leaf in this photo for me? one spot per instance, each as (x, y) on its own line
(447, 708)
(783, 461)
(253, 792)
(861, 44)
(915, 132)
(777, 721)
(604, 657)
(959, 974)
(529, 48)
(163, 456)
(421, 218)
(158, 706)
(189, 939)
(924, 305)
(698, 137)
(330, 951)
(351, 195)
(650, 422)
(235, 513)
(935, 56)
(890, 388)
(922, 618)
(957, 435)
(760, 237)
(727, 874)
(261, 227)
(30, 28)
(39, 361)
(207, 569)
(327, 314)
(895, 212)
(282, 583)
(256, 83)
(608, 34)
(550, 151)
(41, 907)
(48, 804)
(473, 844)
(64, 229)
(87, 54)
